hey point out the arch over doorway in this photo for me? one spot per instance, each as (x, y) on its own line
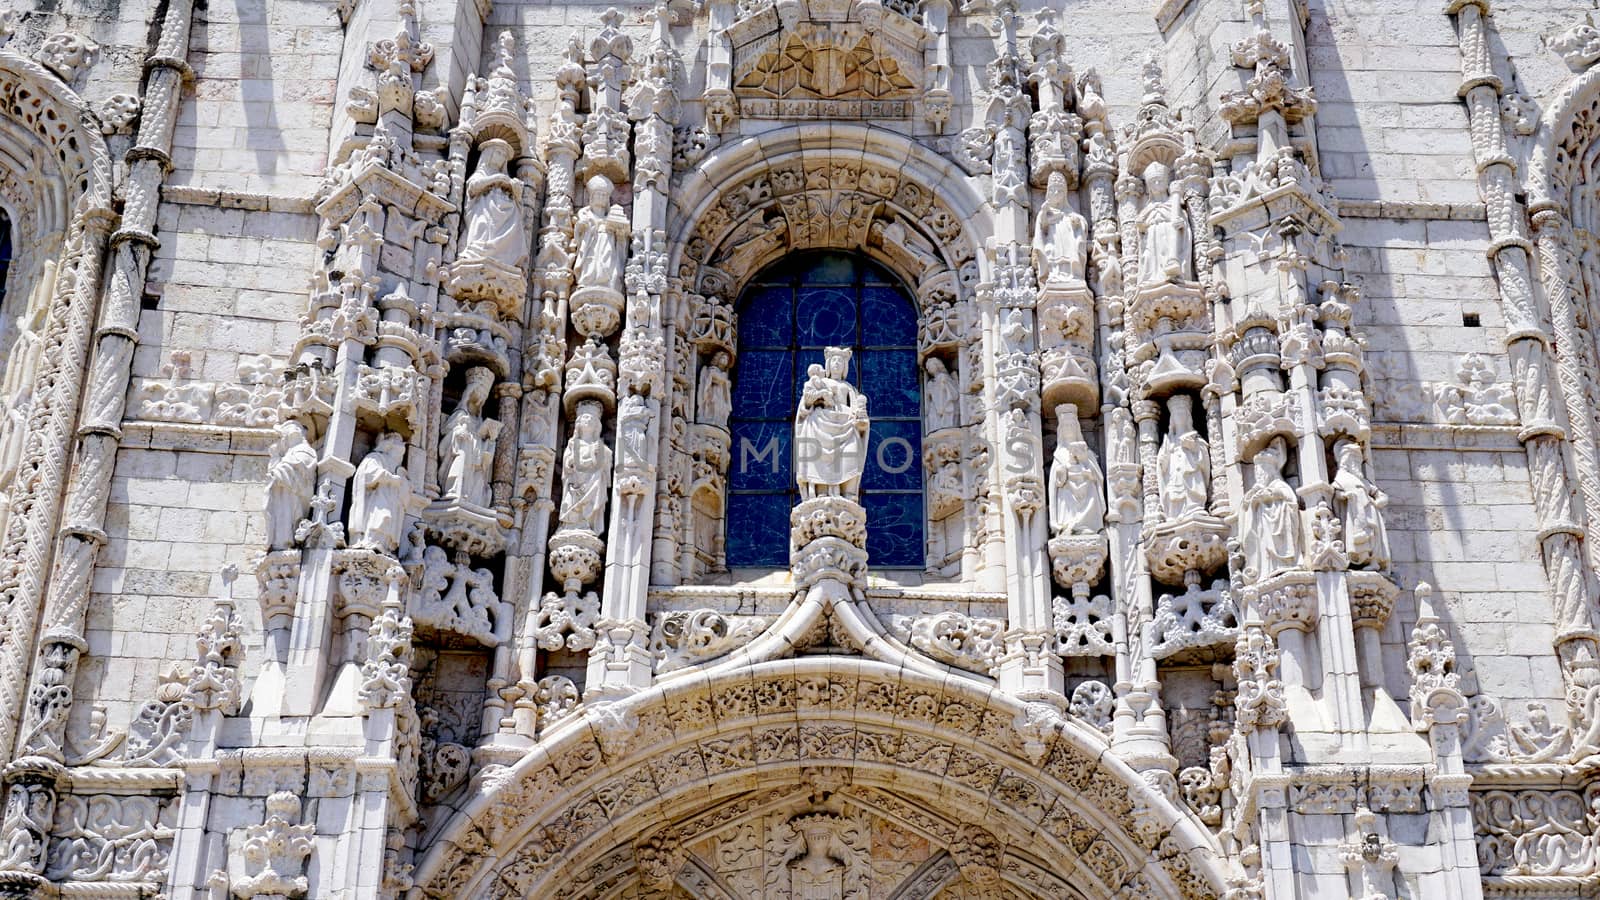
(633, 792)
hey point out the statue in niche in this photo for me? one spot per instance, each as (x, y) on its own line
(1060, 237)
(713, 403)
(602, 239)
(585, 467)
(1164, 253)
(830, 431)
(1077, 485)
(466, 446)
(1184, 463)
(378, 496)
(633, 430)
(941, 396)
(1271, 514)
(291, 482)
(494, 231)
(1366, 539)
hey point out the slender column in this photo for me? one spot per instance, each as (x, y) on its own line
(1029, 666)
(1561, 525)
(620, 663)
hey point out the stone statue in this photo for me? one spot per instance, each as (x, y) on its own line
(633, 430)
(1077, 485)
(467, 443)
(291, 482)
(585, 468)
(940, 396)
(494, 231)
(1184, 463)
(713, 403)
(378, 496)
(830, 430)
(1060, 237)
(602, 240)
(1366, 539)
(1165, 244)
(1270, 516)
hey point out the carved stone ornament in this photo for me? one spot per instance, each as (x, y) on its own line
(275, 852)
(67, 54)
(960, 640)
(1579, 45)
(684, 638)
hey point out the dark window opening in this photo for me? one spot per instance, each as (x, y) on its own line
(787, 315)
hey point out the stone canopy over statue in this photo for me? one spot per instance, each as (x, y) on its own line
(830, 431)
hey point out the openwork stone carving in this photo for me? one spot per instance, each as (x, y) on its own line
(456, 599)
(1194, 618)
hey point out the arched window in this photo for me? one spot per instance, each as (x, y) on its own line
(787, 315)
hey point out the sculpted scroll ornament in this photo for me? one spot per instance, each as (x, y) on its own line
(967, 642)
(67, 54)
(1259, 701)
(109, 838)
(684, 637)
(457, 599)
(566, 622)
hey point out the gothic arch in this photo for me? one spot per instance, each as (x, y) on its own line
(811, 187)
(832, 186)
(1566, 245)
(615, 794)
(56, 176)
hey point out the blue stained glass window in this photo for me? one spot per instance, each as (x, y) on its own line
(786, 316)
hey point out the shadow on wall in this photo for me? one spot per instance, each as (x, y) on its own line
(1351, 165)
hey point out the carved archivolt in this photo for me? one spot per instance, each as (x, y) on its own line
(856, 188)
(610, 777)
(56, 180)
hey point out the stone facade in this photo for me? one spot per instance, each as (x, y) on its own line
(376, 467)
